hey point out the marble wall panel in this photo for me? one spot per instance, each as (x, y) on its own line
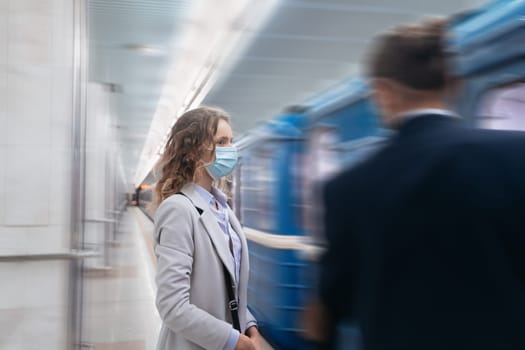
(27, 185)
(28, 105)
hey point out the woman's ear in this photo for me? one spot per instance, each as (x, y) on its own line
(208, 153)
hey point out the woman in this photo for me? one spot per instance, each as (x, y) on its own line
(201, 250)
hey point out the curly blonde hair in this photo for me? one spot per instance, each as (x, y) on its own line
(191, 136)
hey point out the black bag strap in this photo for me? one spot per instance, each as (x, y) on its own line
(233, 305)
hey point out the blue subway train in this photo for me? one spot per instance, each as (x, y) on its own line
(285, 161)
(268, 204)
(280, 161)
(489, 54)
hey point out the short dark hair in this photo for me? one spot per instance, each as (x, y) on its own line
(413, 55)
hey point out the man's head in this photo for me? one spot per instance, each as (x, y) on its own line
(408, 69)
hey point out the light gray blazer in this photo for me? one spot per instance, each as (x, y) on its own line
(191, 295)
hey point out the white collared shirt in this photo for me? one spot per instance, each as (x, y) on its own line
(416, 113)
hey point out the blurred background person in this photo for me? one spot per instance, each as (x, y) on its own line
(202, 255)
(426, 240)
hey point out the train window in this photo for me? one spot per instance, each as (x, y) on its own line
(321, 162)
(256, 191)
(504, 108)
(325, 158)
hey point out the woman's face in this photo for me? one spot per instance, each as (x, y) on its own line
(223, 138)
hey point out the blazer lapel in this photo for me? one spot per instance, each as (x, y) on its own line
(209, 222)
(236, 225)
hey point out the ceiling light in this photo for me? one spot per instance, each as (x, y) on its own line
(144, 49)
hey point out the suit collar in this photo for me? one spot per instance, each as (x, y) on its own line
(191, 192)
(236, 225)
(422, 122)
(415, 113)
(209, 221)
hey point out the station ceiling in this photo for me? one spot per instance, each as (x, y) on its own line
(303, 47)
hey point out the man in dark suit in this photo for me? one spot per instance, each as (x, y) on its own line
(427, 237)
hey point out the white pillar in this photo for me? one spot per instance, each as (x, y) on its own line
(36, 157)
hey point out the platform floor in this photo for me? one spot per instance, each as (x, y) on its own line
(119, 309)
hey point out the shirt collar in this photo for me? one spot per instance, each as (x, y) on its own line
(220, 196)
(415, 113)
(210, 198)
(207, 196)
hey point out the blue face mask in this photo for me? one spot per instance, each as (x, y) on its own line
(225, 161)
